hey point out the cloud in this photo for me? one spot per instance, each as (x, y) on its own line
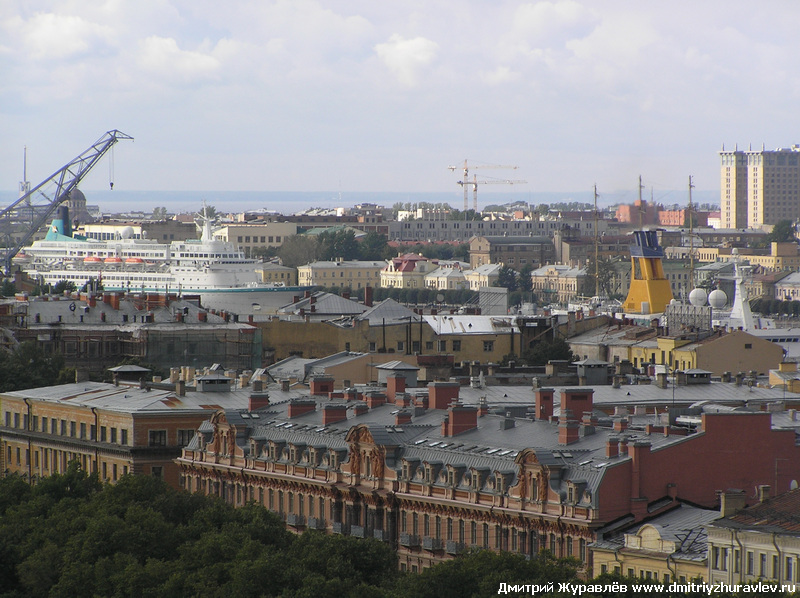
(50, 36)
(407, 57)
(162, 57)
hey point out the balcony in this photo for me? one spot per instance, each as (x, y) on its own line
(429, 543)
(453, 547)
(340, 528)
(409, 540)
(295, 520)
(316, 523)
(357, 531)
(381, 535)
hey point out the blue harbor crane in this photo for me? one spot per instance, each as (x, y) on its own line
(65, 180)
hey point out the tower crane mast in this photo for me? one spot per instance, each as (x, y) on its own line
(65, 179)
(466, 183)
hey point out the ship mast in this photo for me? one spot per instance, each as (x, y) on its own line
(596, 252)
(691, 235)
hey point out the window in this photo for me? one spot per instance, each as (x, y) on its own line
(456, 346)
(442, 346)
(157, 438)
(157, 471)
(488, 346)
(184, 436)
(83, 431)
(103, 433)
(114, 435)
(750, 563)
(124, 437)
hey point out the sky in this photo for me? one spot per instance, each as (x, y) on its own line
(338, 96)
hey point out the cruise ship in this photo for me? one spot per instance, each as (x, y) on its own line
(216, 270)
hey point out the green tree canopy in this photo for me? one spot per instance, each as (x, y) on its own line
(782, 232)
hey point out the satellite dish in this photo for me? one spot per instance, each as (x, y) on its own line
(698, 297)
(717, 299)
(439, 297)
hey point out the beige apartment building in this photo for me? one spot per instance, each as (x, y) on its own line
(759, 187)
(352, 274)
(256, 236)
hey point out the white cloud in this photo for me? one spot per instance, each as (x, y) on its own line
(51, 36)
(407, 57)
(163, 58)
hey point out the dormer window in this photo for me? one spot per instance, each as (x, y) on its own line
(404, 473)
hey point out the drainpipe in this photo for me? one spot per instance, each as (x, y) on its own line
(735, 534)
(777, 573)
(96, 436)
(30, 448)
(674, 571)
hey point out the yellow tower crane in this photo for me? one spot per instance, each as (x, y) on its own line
(466, 183)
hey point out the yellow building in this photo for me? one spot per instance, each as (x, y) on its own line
(483, 276)
(352, 274)
(668, 548)
(558, 284)
(407, 272)
(248, 237)
(110, 430)
(275, 273)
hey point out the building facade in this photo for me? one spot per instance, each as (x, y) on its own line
(352, 274)
(759, 187)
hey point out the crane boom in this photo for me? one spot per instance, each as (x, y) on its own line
(465, 183)
(66, 179)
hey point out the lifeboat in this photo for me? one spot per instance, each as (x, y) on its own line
(91, 259)
(133, 260)
(113, 260)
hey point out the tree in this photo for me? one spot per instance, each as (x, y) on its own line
(209, 211)
(7, 289)
(29, 367)
(64, 285)
(373, 246)
(525, 282)
(544, 351)
(159, 213)
(605, 276)
(298, 250)
(782, 232)
(507, 277)
(340, 244)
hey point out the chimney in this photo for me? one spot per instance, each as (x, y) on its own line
(350, 394)
(258, 385)
(577, 400)
(375, 399)
(763, 492)
(180, 388)
(568, 428)
(544, 403)
(299, 407)
(739, 378)
(402, 417)
(483, 407)
(726, 377)
(332, 413)
(360, 408)
(459, 419)
(321, 385)
(731, 501)
(258, 400)
(442, 394)
(620, 424)
(623, 447)
(285, 385)
(612, 446)
(368, 296)
(661, 380)
(394, 384)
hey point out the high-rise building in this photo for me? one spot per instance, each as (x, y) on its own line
(759, 187)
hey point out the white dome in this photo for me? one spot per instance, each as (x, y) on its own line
(698, 297)
(126, 233)
(717, 299)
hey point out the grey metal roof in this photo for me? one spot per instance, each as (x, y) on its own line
(388, 311)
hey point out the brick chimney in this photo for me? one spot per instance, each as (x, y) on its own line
(577, 401)
(321, 385)
(442, 394)
(360, 408)
(301, 407)
(258, 400)
(394, 384)
(402, 417)
(368, 296)
(623, 447)
(375, 399)
(620, 424)
(612, 446)
(333, 413)
(763, 492)
(459, 419)
(544, 403)
(568, 428)
(258, 385)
